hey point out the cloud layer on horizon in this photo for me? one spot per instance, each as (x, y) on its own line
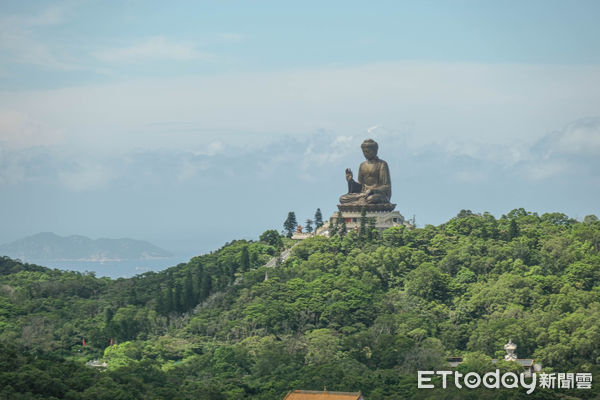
(148, 191)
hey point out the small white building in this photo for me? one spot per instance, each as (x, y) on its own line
(528, 363)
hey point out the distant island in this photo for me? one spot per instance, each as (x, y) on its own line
(48, 246)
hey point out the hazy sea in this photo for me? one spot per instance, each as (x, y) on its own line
(115, 269)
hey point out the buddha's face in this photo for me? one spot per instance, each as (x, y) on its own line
(369, 152)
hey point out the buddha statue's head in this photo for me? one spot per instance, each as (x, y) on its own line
(369, 148)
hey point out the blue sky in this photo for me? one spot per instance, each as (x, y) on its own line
(200, 122)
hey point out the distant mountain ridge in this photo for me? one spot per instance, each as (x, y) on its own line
(49, 246)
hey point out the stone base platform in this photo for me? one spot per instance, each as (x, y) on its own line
(367, 207)
(383, 219)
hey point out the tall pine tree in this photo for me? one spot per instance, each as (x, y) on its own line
(178, 296)
(170, 303)
(245, 259)
(341, 224)
(363, 223)
(206, 286)
(513, 230)
(309, 227)
(318, 219)
(188, 292)
(371, 230)
(290, 224)
(160, 303)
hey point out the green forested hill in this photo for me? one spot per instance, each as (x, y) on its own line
(358, 312)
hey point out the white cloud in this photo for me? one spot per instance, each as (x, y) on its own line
(154, 48)
(324, 149)
(12, 169)
(211, 149)
(371, 129)
(190, 168)
(21, 44)
(52, 15)
(19, 130)
(231, 37)
(86, 176)
(540, 170)
(469, 176)
(571, 151)
(578, 137)
(507, 107)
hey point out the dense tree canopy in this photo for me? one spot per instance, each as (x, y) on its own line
(351, 312)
